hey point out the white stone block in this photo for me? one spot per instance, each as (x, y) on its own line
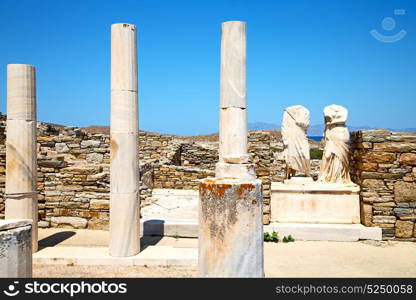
(233, 64)
(124, 112)
(242, 171)
(233, 136)
(124, 224)
(231, 228)
(15, 248)
(315, 203)
(21, 92)
(21, 157)
(124, 167)
(123, 57)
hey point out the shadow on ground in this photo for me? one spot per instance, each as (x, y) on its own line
(55, 239)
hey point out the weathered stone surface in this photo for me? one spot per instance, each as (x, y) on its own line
(405, 191)
(377, 135)
(90, 144)
(373, 183)
(404, 229)
(394, 147)
(231, 228)
(99, 204)
(364, 145)
(52, 163)
(367, 166)
(391, 187)
(408, 158)
(98, 224)
(380, 157)
(43, 224)
(95, 158)
(377, 175)
(366, 214)
(61, 148)
(384, 219)
(15, 249)
(68, 222)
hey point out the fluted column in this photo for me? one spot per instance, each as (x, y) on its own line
(124, 172)
(21, 152)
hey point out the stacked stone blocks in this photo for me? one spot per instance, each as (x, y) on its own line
(383, 163)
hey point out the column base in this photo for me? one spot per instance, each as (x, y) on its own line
(230, 228)
(241, 171)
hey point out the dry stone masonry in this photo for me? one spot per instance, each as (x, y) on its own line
(384, 165)
(73, 190)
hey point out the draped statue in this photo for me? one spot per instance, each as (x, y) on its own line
(295, 142)
(335, 162)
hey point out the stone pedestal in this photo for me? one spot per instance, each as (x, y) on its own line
(15, 248)
(231, 228)
(310, 202)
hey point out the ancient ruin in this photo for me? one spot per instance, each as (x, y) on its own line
(333, 199)
(230, 209)
(236, 184)
(21, 163)
(335, 166)
(296, 146)
(124, 165)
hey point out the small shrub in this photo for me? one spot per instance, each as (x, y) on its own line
(316, 153)
(274, 237)
(288, 239)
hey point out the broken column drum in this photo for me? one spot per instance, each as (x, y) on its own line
(124, 173)
(21, 151)
(230, 205)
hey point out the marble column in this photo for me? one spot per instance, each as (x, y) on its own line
(231, 204)
(124, 172)
(234, 160)
(21, 152)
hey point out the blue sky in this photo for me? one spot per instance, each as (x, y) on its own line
(313, 53)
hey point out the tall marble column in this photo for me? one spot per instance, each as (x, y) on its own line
(21, 154)
(231, 204)
(124, 172)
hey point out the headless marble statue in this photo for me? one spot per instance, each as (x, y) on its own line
(335, 162)
(295, 142)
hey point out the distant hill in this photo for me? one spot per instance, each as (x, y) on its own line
(318, 130)
(262, 126)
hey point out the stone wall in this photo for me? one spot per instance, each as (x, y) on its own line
(73, 170)
(73, 174)
(262, 157)
(178, 177)
(384, 165)
(197, 161)
(203, 156)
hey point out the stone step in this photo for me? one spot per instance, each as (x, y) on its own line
(306, 232)
(325, 232)
(150, 256)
